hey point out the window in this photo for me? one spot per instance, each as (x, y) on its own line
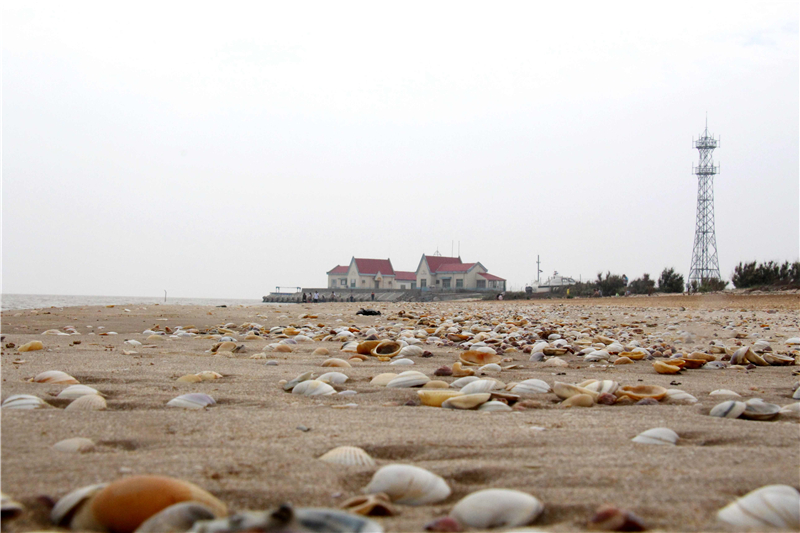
(481, 283)
(459, 284)
(413, 285)
(423, 283)
(352, 284)
(363, 282)
(445, 283)
(390, 283)
(343, 282)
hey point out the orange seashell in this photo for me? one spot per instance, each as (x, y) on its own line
(693, 363)
(386, 349)
(664, 368)
(365, 348)
(639, 392)
(284, 348)
(476, 358)
(460, 372)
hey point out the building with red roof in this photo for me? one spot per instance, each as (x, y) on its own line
(363, 274)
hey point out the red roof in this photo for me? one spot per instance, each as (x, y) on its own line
(435, 262)
(490, 277)
(405, 276)
(455, 267)
(373, 266)
(340, 270)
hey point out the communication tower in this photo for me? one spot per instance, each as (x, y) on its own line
(705, 264)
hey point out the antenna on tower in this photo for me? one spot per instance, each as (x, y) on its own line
(705, 264)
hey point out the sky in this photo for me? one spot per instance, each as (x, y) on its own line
(221, 150)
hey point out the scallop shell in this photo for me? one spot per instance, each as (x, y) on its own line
(756, 409)
(76, 444)
(657, 436)
(640, 392)
(381, 380)
(176, 518)
(601, 386)
(729, 409)
(410, 378)
(494, 405)
(55, 376)
(461, 382)
(679, 396)
(466, 401)
(479, 358)
(772, 506)
(333, 378)
(24, 401)
(490, 508)
(410, 351)
(336, 362)
(76, 391)
(195, 400)
(88, 402)
(531, 386)
(410, 485)
(348, 455)
(386, 349)
(435, 397)
(313, 387)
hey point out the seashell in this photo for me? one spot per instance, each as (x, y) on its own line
(10, 508)
(656, 436)
(313, 387)
(283, 348)
(490, 508)
(55, 376)
(796, 395)
(716, 365)
(24, 401)
(606, 398)
(623, 361)
(466, 401)
(692, 363)
(777, 359)
(351, 346)
(639, 392)
(754, 358)
(190, 378)
(333, 378)
(370, 505)
(704, 356)
(31, 346)
(633, 356)
(195, 400)
(772, 506)
(436, 385)
(531, 386)
(303, 338)
(122, 506)
(729, 409)
(665, 368)
(566, 390)
(402, 362)
(460, 371)
(793, 409)
(537, 357)
(578, 400)
(336, 362)
(435, 397)
(176, 518)
(348, 455)
(491, 367)
(76, 391)
(321, 351)
(757, 409)
(461, 382)
(410, 378)
(208, 375)
(725, 392)
(365, 348)
(555, 361)
(386, 349)
(381, 380)
(478, 358)
(601, 386)
(494, 405)
(74, 445)
(609, 518)
(479, 385)
(228, 346)
(410, 485)
(410, 351)
(739, 356)
(88, 402)
(679, 396)
(299, 379)
(792, 341)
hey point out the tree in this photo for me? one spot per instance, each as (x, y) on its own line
(611, 285)
(670, 281)
(643, 285)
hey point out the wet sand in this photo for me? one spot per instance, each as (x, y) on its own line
(248, 452)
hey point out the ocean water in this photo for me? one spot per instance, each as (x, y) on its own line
(38, 301)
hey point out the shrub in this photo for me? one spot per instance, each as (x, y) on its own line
(643, 285)
(747, 275)
(708, 285)
(670, 281)
(610, 285)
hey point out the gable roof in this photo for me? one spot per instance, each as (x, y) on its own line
(456, 267)
(490, 277)
(435, 262)
(405, 276)
(370, 267)
(339, 269)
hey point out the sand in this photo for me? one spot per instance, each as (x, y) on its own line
(249, 452)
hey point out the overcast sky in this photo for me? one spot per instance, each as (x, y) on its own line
(223, 149)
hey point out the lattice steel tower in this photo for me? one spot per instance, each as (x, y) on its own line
(704, 256)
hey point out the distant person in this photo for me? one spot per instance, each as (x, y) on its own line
(373, 296)
(305, 298)
(316, 297)
(333, 296)
(352, 298)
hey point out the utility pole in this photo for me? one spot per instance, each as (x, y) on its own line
(538, 269)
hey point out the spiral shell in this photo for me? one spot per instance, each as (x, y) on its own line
(490, 508)
(772, 506)
(410, 485)
(348, 455)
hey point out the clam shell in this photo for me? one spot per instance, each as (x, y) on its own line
(190, 378)
(772, 506)
(729, 409)
(381, 380)
(208, 375)
(31, 346)
(490, 508)
(479, 358)
(313, 387)
(195, 400)
(466, 401)
(305, 376)
(55, 376)
(333, 378)
(336, 362)
(321, 351)
(76, 391)
(491, 367)
(176, 518)
(24, 401)
(410, 378)
(74, 445)
(778, 359)
(386, 349)
(578, 400)
(410, 485)
(566, 390)
(793, 409)
(640, 392)
(436, 384)
(531, 386)
(348, 455)
(228, 346)
(657, 436)
(480, 385)
(402, 362)
(759, 410)
(410, 351)
(435, 397)
(71, 505)
(88, 402)
(494, 405)
(466, 380)
(725, 392)
(665, 368)
(370, 505)
(10, 508)
(601, 386)
(679, 396)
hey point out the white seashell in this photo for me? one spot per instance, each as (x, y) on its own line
(410, 351)
(605, 385)
(24, 401)
(480, 385)
(381, 380)
(567, 390)
(679, 396)
(208, 375)
(299, 379)
(178, 517)
(461, 382)
(313, 387)
(657, 436)
(494, 405)
(410, 378)
(792, 341)
(492, 508)
(491, 367)
(758, 409)
(303, 338)
(540, 346)
(67, 506)
(484, 349)
(351, 346)
(725, 392)
(54, 376)
(729, 409)
(410, 485)
(333, 378)
(348, 393)
(348, 455)
(87, 402)
(772, 506)
(402, 362)
(796, 395)
(531, 386)
(195, 400)
(793, 409)
(76, 391)
(75, 445)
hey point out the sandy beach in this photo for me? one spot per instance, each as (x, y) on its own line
(248, 451)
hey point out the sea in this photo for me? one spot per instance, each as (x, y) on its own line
(10, 302)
